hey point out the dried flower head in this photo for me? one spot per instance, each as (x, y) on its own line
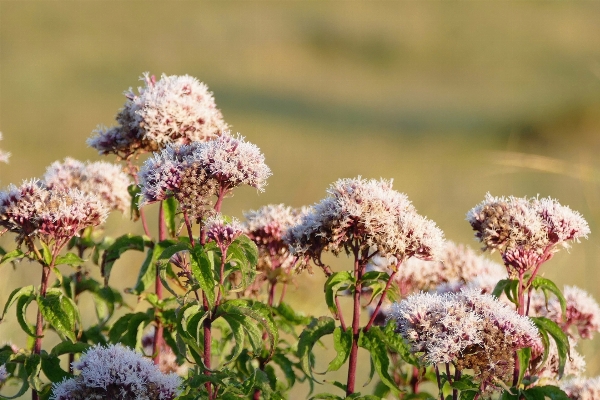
(582, 317)
(104, 179)
(51, 215)
(116, 372)
(4, 156)
(472, 330)
(525, 231)
(370, 213)
(582, 388)
(221, 232)
(173, 110)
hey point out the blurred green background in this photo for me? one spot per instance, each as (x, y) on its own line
(451, 100)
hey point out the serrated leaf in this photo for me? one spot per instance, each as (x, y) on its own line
(46, 254)
(170, 210)
(507, 286)
(560, 338)
(397, 344)
(338, 281)
(195, 345)
(256, 311)
(342, 342)
(32, 366)
(12, 256)
(22, 305)
(71, 259)
(541, 392)
(524, 356)
(309, 337)
(115, 250)
(16, 294)
(287, 312)
(68, 347)
(60, 312)
(238, 337)
(202, 265)
(373, 341)
(546, 284)
(286, 366)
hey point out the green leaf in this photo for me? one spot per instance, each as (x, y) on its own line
(285, 311)
(134, 191)
(256, 311)
(70, 259)
(508, 286)
(12, 256)
(61, 312)
(395, 343)
(115, 250)
(506, 395)
(22, 305)
(52, 370)
(46, 254)
(147, 275)
(238, 336)
(170, 210)
(326, 396)
(546, 284)
(16, 294)
(373, 341)
(202, 265)
(336, 282)
(68, 347)
(286, 366)
(542, 392)
(342, 342)
(32, 366)
(309, 336)
(561, 339)
(524, 356)
(189, 330)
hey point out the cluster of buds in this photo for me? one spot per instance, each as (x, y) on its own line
(223, 234)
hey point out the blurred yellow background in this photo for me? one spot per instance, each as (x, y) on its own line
(451, 100)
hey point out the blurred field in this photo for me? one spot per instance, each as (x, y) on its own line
(452, 100)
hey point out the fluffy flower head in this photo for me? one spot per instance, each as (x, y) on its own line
(117, 372)
(582, 388)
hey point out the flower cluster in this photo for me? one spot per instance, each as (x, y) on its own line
(221, 232)
(4, 375)
(196, 172)
(104, 179)
(469, 329)
(116, 372)
(582, 317)
(582, 388)
(368, 214)
(525, 231)
(459, 266)
(267, 227)
(174, 110)
(53, 215)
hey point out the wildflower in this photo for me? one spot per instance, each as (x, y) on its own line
(525, 231)
(194, 173)
(459, 266)
(174, 110)
(4, 375)
(223, 233)
(52, 215)
(581, 388)
(267, 227)
(104, 179)
(368, 213)
(4, 156)
(469, 329)
(116, 372)
(582, 317)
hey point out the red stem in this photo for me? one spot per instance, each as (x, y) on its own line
(358, 269)
(158, 288)
(381, 299)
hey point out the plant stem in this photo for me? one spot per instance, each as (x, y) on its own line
(439, 382)
(381, 299)
(158, 288)
(358, 269)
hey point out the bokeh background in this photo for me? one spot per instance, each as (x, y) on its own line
(451, 100)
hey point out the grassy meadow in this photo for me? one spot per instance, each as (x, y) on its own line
(451, 100)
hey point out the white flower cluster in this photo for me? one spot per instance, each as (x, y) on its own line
(4, 375)
(459, 267)
(174, 110)
(106, 180)
(116, 372)
(371, 213)
(196, 168)
(582, 388)
(525, 231)
(221, 232)
(34, 210)
(469, 329)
